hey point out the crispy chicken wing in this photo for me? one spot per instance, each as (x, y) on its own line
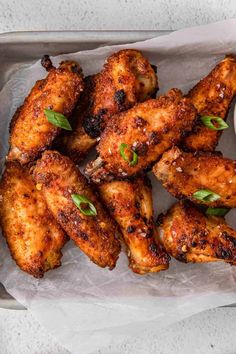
(134, 140)
(127, 78)
(33, 236)
(190, 236)
(184, 174)
(212, 97)
(30, 131)
(130, 203)
(59, 179)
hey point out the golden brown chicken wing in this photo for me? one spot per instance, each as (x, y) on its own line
(134, 140)
(130, 203)
(190, 236)
(204, 178)
(127, 78)
(30, 130)
(212, 97)
(76, 208)
(33, 236)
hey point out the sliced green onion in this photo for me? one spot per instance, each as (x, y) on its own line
(134, 160)
(84, 204)
(206, 195)
(217, 211)
(57, 119)
(207, 121)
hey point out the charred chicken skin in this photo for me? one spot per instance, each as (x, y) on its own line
(212, 97)
(190, 236)
(134, 140)
(130, 203)
(95, 234)
(33, 236)
(30, 131)
(204, 178)
(127, 78)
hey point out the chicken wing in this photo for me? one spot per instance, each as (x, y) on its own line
(127, 78)
(212, 97)
(204, 178)
(87, 223)
(30, 131)
(33, 236)
(190, 236)
(130, 203)
(134, 140)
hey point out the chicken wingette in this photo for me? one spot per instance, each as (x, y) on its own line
(190, 236)
(135, 139)
(33, 236)
(130, 203)
(212, 97)
(30, 131)
(204, 178)
(77, 209)
(127, 78)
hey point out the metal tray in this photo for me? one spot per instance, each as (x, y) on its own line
(26, 47)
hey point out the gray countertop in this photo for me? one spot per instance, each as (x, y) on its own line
(209, 332)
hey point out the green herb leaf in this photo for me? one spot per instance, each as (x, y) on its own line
(57, 119)
(84, 204)
(207, 121)
(134, 160)
(217, 211)
(206, 195)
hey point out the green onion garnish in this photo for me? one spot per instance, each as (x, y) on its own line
(206, 195)
(217, 211)
(84, 204)
(207, 121)
(57, 119)
(134, 160)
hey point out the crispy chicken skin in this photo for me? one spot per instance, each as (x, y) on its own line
(127, 78)
(212, 97)
(33, 236)
(130, 203)
(30, 131)
(58, 179)
(149, 129)
(183, 174)
(190, 236)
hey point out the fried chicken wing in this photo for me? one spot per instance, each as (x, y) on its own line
(127, 78)
(190, 236)
(130, 203)
(30, 131)
(33, 236)
(212, 97)
(183, 174)
(95, 234)
(134, 140)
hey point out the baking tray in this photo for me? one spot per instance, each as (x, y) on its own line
(17, 48)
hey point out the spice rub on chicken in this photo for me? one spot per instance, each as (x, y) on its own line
(127, 78)
(31, 132)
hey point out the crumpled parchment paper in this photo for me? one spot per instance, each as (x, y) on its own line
(87, 308)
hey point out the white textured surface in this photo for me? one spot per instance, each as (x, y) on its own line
(210, 332)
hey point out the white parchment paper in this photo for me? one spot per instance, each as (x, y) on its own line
(88, 308)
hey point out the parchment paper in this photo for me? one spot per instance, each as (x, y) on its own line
(87, 308)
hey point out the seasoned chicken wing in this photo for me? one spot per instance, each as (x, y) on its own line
(127, 78)
(30, 131)
(204, 178)
(212, 97)
(190, 236)
(77, 209)
(134, 140)
(130, 203)
(33, 236)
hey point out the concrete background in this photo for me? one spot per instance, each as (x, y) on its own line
(209, 332)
